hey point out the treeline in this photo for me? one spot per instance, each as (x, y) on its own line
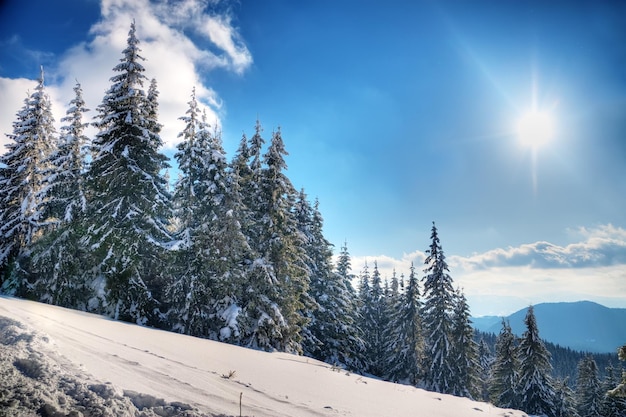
(232, 253)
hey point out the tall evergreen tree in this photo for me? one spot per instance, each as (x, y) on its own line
(612, 406)
(364, 301)
(485, 362)
(344, 271)
(405, 344)
(620, 390)
(589, 393)
(56, 262)
(189, 292)
(129, 205)
(332, 323)
(22, 172)
(565, 402)
(503, 389)
(536, 388)
(344, 268)
(279, 275)
(374, 317)
(437, 319)
(465, 382)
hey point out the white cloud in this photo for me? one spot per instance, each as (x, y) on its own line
(601, 246)
(172, 57)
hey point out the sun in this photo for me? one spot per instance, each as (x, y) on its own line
(535, 128)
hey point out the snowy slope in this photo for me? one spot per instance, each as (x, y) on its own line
(118, 357)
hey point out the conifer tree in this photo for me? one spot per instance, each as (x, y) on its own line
(535, 384)
(22, 171)
(332, 323)
(343, 270)
(56, 261)
(612, 405)
(503, 388)
(318, 267)
(364, 301)
(189, 292)
(279, 275)
(565, 402)
(437, 319)
(485, 362)
(405, 344)
(620, 390)
(344, 266)
(589, 393)
(374, 322)
(129, 206)
(465, 382)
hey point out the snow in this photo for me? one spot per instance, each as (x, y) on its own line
(158, 367)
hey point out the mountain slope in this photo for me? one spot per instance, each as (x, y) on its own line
(582, 325)
(111, 362)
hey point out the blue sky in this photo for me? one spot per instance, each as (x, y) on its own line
(395, 115)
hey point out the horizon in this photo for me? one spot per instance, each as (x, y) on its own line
(394, 117)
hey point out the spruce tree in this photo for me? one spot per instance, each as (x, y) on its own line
(189, 292)
(620, 390)
(343, 270)
(57, 258)
(612, 405)
(589, 393)
(565, 402)
(405, 344)
(279, 277)
(332, 323)
(374, 324)
(22, 171)
(363, 304)
(535, 384)
(129, 206)
(485, 363)
(503, 387)
(437, 319)
(465, 382)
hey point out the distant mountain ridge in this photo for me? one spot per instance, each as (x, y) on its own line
(582, 325)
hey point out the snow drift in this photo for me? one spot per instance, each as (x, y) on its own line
(59, 362)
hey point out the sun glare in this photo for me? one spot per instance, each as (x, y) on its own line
(535, 128)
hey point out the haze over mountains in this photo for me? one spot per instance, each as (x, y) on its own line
(582, 325)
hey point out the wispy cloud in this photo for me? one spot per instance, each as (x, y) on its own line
(602, 246)
(176, 59)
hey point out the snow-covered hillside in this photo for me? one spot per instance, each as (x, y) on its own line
(58, 359)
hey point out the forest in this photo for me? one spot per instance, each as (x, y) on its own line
(233, 252)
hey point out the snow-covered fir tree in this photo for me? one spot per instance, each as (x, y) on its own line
(485, 363)
(279, 275)
(589, 394)
(22, 171)
(190, 289)
(374, 322)
(344, 271)
(465, 382)
(439, 365)
(332, 322)
(405, 343)
(261, 318)
(620, 390)
(535, 385)
(129, 206)
(565, 400)
(56, 261)
(503, 387)
(612, 405)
